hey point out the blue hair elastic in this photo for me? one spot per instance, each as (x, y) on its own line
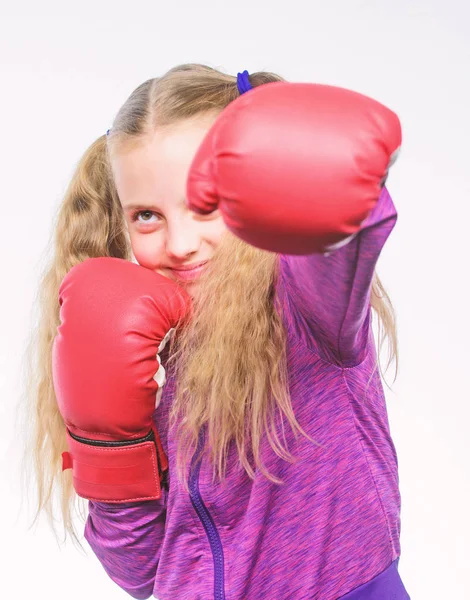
(243, 82)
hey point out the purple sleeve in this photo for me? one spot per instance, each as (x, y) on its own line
(127, 540)
(329, 295)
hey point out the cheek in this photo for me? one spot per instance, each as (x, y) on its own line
(147, 250)
(216, 232)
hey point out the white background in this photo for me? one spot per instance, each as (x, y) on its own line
(65, 70)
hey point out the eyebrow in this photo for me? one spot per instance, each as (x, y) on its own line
(130, 207)
(139, 206)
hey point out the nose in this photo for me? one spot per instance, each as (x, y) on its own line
(183, 241)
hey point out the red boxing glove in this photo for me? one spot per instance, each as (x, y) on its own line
(115, 317)
(295, 167)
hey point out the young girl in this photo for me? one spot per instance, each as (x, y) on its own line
(253, 457)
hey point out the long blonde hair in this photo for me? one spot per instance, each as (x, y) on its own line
(231, 359)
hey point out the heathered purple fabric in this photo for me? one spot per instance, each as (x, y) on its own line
(332, 530)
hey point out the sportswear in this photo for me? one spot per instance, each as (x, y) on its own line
(332, 531)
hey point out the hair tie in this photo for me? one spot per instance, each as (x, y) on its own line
(243, 82)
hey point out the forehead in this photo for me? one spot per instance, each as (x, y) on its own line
(156, 170)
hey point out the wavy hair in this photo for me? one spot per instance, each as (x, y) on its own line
(242, 382)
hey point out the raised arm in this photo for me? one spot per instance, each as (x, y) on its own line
(329, 295)
(299, 169)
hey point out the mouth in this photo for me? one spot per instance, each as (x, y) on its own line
(189, 274)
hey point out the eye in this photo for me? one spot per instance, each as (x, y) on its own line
(137, 213)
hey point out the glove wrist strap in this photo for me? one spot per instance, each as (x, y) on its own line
(121, 472)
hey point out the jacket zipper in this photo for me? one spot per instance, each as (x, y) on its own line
(209, 525)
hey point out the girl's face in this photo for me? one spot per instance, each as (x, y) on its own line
(166, 236)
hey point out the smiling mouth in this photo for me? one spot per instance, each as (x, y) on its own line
(188, 274)
(189, 267)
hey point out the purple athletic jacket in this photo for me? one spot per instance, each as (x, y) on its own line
(332, 530)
